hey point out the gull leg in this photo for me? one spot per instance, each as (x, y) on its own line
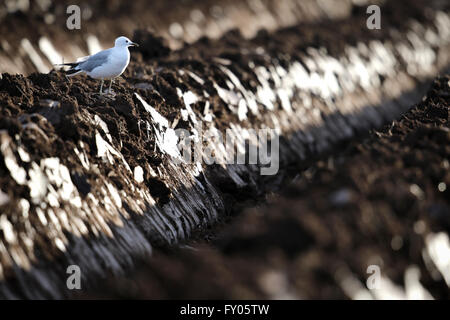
(110, 83)
(101, 87)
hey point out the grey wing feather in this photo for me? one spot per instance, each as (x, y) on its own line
(94, 61)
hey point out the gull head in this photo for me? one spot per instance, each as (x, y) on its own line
(124, 42)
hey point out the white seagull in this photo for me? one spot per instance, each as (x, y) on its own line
(106, 64)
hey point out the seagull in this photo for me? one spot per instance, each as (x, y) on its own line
(106, 64)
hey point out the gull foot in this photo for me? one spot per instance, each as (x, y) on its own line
(110, 93)
(104, 94)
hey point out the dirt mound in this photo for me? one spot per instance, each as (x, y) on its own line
(381, 202)
(151, 46)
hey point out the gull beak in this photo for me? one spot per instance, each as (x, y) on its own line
(134, 44)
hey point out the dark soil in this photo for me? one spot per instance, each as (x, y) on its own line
(108, 19)
(307, 233)
(343, 213)
(63, 102)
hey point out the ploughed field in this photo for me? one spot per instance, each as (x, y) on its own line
(362, 181)
(381, 200)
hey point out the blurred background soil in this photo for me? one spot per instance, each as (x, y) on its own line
(371, 203)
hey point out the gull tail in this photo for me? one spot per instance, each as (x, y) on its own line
(74, 70)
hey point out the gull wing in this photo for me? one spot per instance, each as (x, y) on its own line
(95, 60)
(82, 59)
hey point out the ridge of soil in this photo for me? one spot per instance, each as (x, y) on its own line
(374, 203)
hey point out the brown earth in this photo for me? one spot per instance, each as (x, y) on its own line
(373, 203)
(339, 213)
(179, 22)
(153, 75)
